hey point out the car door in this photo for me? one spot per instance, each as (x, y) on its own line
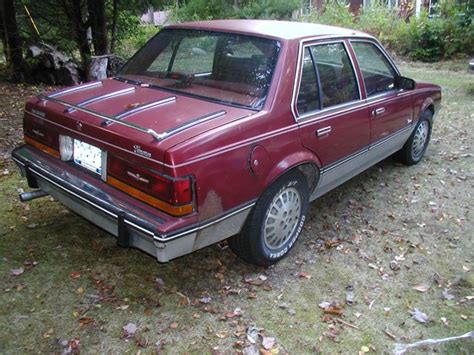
(390, 109)
(333, 118)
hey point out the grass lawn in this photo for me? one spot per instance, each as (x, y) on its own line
(395, 237)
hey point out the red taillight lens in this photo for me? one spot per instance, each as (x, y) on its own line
(41, 137)
(174, 196)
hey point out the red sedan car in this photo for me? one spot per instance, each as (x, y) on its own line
(224, 129)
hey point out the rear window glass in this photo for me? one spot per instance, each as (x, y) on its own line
(228, 68)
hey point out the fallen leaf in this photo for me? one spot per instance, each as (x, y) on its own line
(447, 295)
(174, 325)
(73, 346)
(394, 265)
(419, 316)
(421, 287)
(252, 334)
(129, 330)
(365, 349)
(324, 305)
(75, 275)
(304, 275)
(236, 313)
(159, 282)
(268, 342)
(223, 334)
(463, 317)
(17, 272)
(334, 310)
(205, 299)
(122, 307)
(85, 321)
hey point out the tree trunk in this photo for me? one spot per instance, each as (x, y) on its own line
(3, 33)
(73, 9)
(98, 25)
(113, 37)
(11, 39)
(354, 7)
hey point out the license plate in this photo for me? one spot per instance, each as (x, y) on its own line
(88, 156)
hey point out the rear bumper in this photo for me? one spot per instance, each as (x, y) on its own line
(132, 224)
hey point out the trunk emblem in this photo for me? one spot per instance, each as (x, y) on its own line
(38, 133)
(138, 150)
(138, 177)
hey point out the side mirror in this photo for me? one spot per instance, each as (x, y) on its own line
(404, 83)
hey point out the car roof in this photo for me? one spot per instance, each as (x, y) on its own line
(287, 30)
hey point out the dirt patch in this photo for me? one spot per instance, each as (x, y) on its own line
(390, 241)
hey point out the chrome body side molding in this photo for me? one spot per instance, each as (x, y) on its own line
(339, 172)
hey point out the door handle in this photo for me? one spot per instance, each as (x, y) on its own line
(323, 131)
(378, 111)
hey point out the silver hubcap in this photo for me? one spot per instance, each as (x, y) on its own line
(282, 218)
(419, 140)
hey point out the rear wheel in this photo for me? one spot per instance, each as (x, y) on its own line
(275, 223)
(415, 147)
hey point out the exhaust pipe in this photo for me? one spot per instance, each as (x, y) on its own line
(31, 195)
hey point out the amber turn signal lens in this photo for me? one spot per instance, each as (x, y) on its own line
(41, 146)
(142, 196)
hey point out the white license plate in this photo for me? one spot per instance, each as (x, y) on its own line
(88, 156)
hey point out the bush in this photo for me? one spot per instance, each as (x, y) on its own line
(195, 10)
(449, 33)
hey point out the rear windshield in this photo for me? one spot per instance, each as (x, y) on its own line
(228, 68)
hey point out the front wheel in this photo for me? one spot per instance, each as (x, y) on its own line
(415, 147)
(275, 223)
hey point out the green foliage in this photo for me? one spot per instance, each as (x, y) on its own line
(135, 40)
(195, 10)
(448, 34)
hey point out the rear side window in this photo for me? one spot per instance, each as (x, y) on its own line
(308, 98)
(379, 75)
(327, 78)
(337, 77)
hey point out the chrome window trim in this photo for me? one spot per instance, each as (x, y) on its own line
(299, 69)
(380, 47)
(387, 56)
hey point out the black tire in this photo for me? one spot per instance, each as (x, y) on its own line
(412, 152)
(256, 244)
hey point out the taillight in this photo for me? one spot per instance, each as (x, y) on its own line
(41, 137)
(173, 196)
